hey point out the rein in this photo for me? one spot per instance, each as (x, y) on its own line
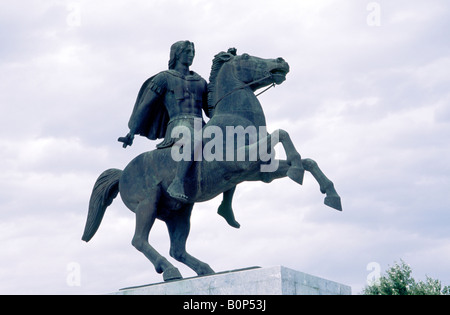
(271, 86)
(247, 85)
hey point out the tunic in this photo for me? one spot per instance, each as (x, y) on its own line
(180, 100)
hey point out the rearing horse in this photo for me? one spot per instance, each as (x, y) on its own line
(144, 182)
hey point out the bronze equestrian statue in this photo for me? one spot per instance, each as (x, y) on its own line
(145, 185)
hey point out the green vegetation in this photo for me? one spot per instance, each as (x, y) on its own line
(398, 281)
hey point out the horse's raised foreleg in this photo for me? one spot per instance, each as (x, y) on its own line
(178, 224)
(326, 186)
(268, 177)
(145, 218)
(296, 170)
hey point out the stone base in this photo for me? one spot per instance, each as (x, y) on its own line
(252, 281)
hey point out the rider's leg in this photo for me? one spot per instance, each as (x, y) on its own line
(176, 188)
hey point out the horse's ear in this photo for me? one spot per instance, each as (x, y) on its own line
(232, 51)
(224, 56)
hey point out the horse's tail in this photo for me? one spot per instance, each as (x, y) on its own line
(105, 190)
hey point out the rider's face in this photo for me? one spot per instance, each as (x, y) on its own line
(187, 56)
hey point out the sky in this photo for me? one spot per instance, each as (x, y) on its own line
(367, 97)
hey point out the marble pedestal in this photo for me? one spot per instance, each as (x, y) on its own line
(252, 281)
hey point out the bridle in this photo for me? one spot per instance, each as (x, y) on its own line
(268, 75)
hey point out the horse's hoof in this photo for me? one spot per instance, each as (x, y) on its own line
(172, 274)
(296, 174)
(207, 271)
(227, 214)
(334, 202)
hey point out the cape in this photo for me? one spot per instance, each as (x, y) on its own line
(154, 124)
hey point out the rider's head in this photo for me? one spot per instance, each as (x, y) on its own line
(177, 49)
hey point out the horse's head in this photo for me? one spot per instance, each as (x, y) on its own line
(231, 73)
(257, 72)
(262, 72)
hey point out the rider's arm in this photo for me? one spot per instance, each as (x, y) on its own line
(142, 109)
(138, 117)
(154, 90)
(208, 110)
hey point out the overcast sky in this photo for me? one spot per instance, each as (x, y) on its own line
(367, 97)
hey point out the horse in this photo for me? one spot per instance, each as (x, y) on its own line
(143, 183)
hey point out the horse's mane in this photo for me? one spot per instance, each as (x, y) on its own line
(219, 60)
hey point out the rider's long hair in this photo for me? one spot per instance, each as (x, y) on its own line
(176, 50)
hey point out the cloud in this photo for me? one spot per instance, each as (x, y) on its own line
(369, 104)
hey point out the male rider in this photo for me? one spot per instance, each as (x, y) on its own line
(170, 99)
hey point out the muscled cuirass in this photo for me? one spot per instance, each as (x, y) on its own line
(185, 94)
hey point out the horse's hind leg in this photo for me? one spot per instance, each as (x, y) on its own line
(145, 218)
(326, 186)
(179, 226)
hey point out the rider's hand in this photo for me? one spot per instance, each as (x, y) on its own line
(127, 141)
